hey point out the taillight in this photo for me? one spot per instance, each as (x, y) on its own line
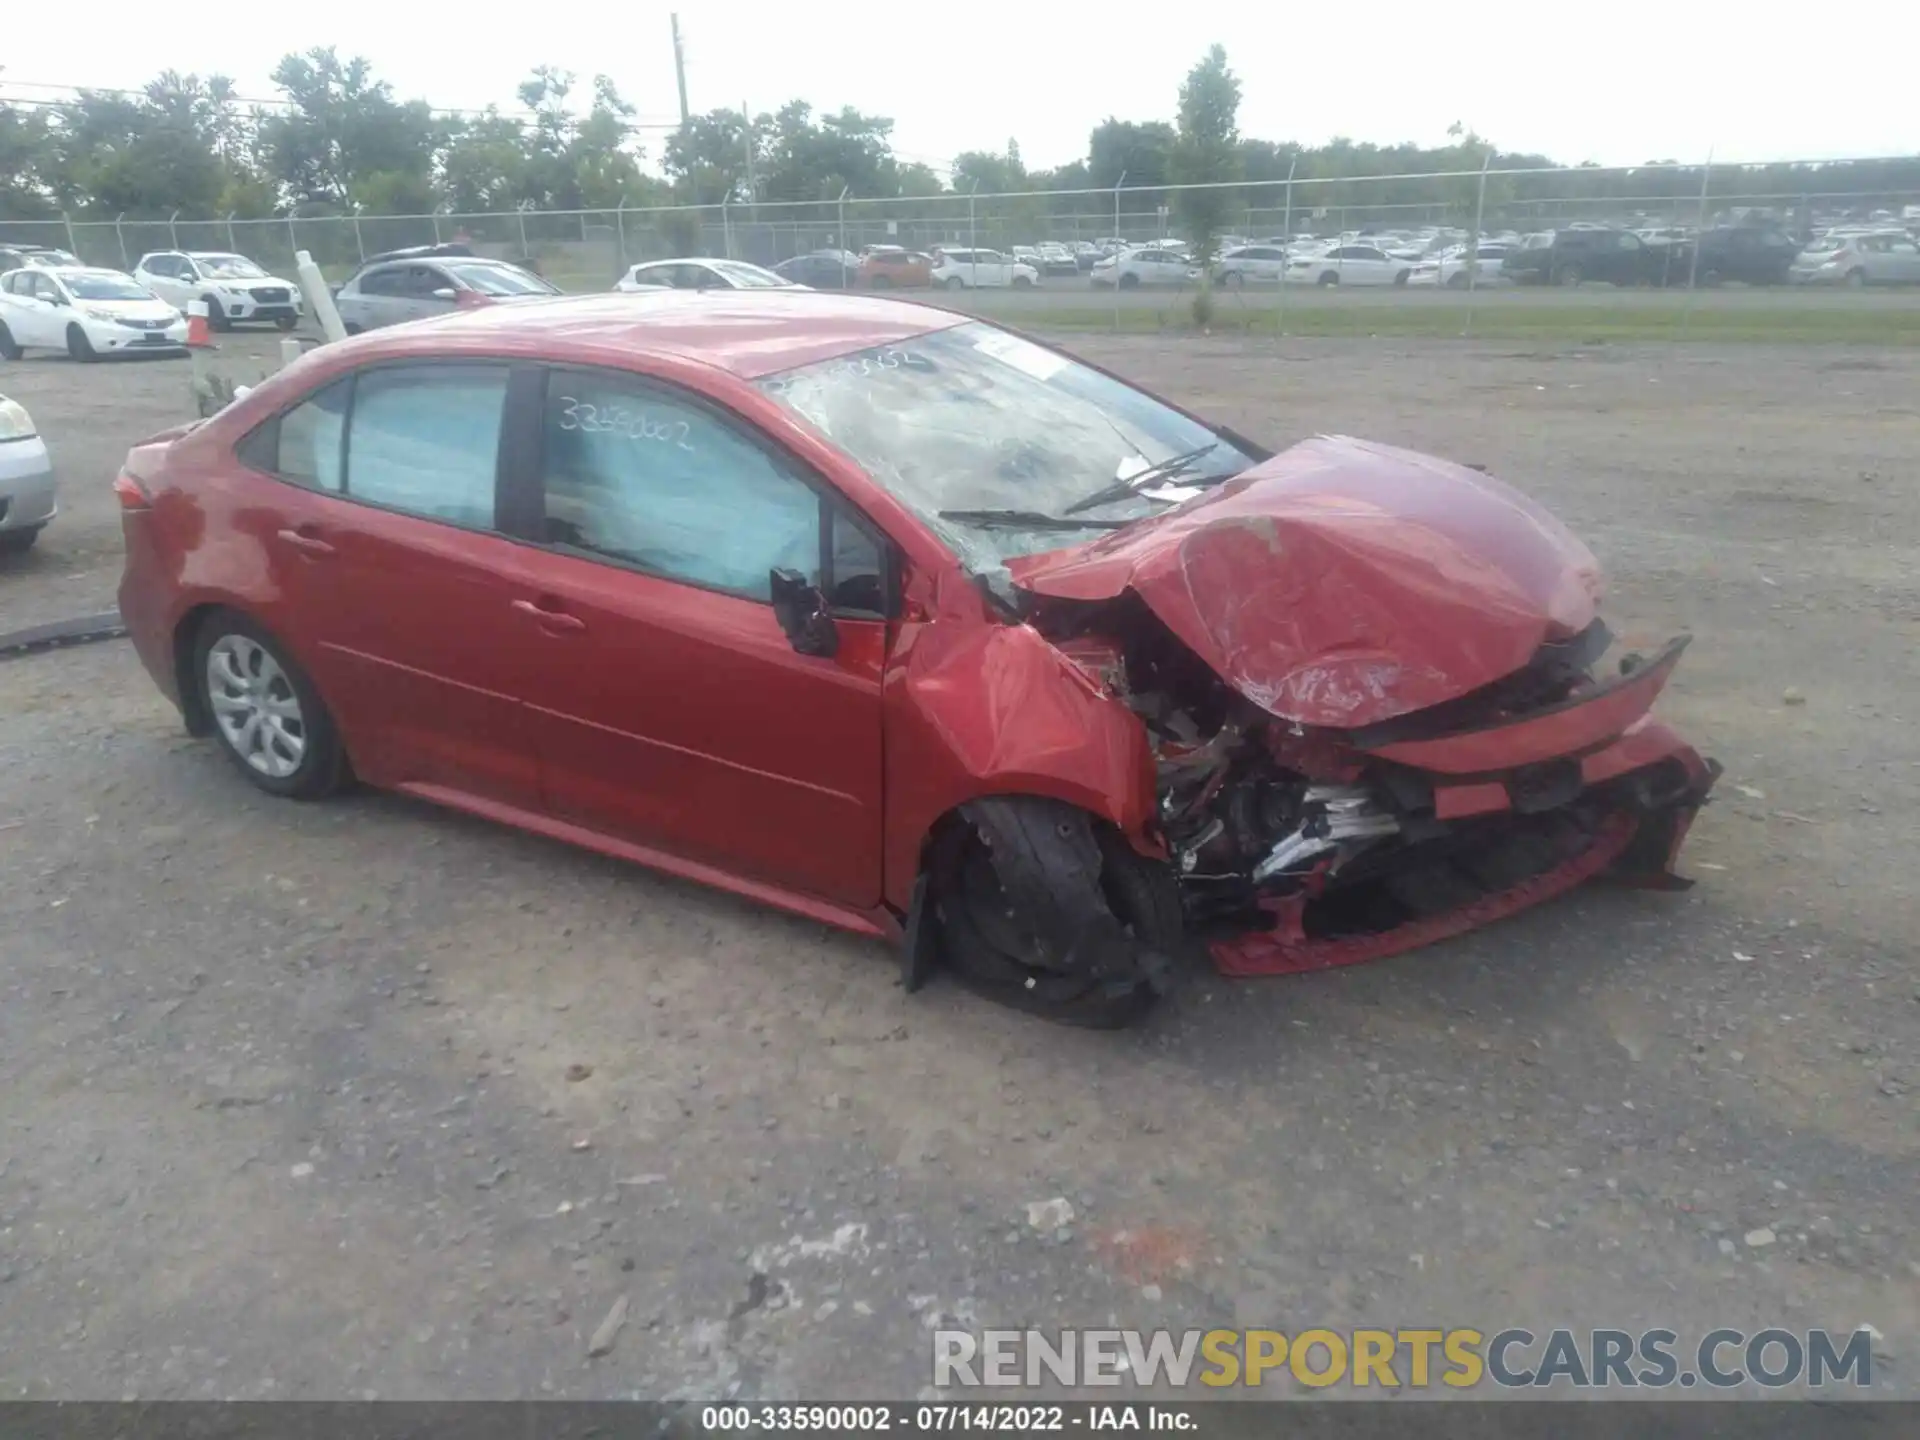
(131, 494)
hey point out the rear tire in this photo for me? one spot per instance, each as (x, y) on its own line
(1569, 276)
(79, 347)
(1129, 282)
(244, 674)
(287, 322)
(954, 282)
(9, 347)
(1856, 279)
(18, 542)
(1021, 282)
(1402, 277)
(1329, 277)
(1233, 280)
(1457, 280)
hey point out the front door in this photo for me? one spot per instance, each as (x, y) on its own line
(406, 589)
(671, 709)
(41, 316)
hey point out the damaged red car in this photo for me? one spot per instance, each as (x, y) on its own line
(904, 622)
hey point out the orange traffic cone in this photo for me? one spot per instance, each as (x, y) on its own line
(199, 336)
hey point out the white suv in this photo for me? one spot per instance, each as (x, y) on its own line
(233, 286)
(982, 269)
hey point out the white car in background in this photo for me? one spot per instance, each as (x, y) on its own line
(981, 269)
(1349, 264)
(1144, 265)
(1452, 269)
(1252, 265)
(233, 286)
(87, 313)
(702, 274)
(26, 480)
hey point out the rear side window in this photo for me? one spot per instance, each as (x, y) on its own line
(304, 445)
(425, 439)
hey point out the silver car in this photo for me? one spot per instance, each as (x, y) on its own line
(26, 480)
(1886, 257)
(392, 292)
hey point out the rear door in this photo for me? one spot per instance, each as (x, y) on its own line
(671, 710)
(38, 318)
(395, 562)
(1902, 261)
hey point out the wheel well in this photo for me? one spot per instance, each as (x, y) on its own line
(186, 634)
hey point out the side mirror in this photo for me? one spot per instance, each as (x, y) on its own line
(802, 612)
(445, 292)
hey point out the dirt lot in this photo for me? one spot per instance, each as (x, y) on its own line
(284, 1089)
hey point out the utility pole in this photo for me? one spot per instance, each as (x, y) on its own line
(746, 127)
(680, 67)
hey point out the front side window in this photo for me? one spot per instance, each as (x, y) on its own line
(499, 280)
(971, 419)
(304, 446)
(425, 439)
(229, 267)
(645, 477)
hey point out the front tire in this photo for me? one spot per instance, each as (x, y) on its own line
(266, 713)
(216, 315)
(1329, 277)
(18, 542)
(1129, 282)
(9, 347)
(1021, 282)
(991, 953)
(1569, 276)
(79, 347)
(287, 322)
(1457, 280)
(1856, 279)
(954, 282)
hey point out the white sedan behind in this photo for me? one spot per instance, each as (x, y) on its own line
(1349, 265)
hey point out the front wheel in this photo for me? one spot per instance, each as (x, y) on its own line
(1856, 279)
(1570, 276)
(216, 315)
(954, 282)
(287, 322)
(1457, 280)
(1129, 282)
(1329, 277)
(1233, 279)
(1095, 888)
(79, 347)
(18, 542)
(9, 347)
(269, 718)
(1021, 282)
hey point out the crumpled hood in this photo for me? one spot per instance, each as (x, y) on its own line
(1342, 583)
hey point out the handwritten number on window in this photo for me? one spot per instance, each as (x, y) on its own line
(628, 424)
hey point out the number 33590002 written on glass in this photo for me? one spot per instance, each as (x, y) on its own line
(619, 420)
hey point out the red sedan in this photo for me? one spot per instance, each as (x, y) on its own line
(909, 624)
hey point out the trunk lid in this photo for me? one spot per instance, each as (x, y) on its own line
(1342, 583)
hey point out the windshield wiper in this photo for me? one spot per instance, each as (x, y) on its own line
(1133, 484)
(1027, 520)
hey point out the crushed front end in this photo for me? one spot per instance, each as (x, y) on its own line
(1380, 705)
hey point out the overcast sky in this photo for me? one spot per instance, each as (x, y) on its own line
(1643, 82)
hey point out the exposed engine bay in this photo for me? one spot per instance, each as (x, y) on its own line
(1297, 847)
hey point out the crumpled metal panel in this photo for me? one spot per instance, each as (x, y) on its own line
(1342, 583)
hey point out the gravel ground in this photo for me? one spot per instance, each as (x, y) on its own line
(366, 1099)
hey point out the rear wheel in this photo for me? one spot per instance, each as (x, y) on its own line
(269, 718)
(954, 282)
(1457, 280)
(287, 322)
(1856, 279)
(1233, 279)
(1329, 277)
(79, 346)
(1021, 282)
(1569, 275)
(1129, 281)
(9, 347)
(216, 314)
(18, 542)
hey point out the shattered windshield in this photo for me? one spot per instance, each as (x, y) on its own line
(972, 419)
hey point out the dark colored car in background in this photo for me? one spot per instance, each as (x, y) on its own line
(1572, 257)
(822, 270)
(1751, 254)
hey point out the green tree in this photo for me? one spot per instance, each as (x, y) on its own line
(1207, 151)
(1143, 153)
(708, 157)
(343, 127)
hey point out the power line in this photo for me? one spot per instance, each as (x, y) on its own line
(281, 103)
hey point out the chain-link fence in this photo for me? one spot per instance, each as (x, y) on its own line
(588, 249)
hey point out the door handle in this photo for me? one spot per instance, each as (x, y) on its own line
(550, 619)
(309, 544)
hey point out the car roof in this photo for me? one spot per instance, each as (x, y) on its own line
(750, 333)
(83, 270)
